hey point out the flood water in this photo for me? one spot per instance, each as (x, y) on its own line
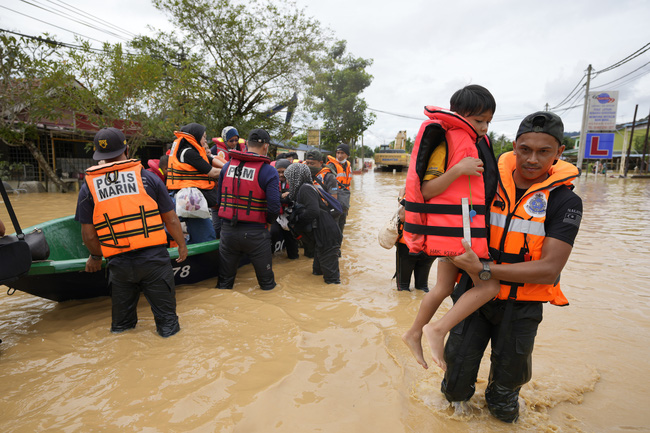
(311, 357)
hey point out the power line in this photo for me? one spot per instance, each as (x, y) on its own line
(78, 11)
(396, 114)
(571, 94)
(55, 12)
(630, 73)
(50, 24)
(621, 62)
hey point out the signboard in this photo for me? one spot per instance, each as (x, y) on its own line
(602, 111)
(313, 137)
(599, 146)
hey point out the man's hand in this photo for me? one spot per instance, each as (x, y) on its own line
(93, 265)
(182, 253)
(468, 261)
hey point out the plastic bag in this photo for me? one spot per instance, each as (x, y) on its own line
(190, 203)
(389, 233)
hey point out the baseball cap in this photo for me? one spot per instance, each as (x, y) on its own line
(109, 143)
(314, 155)
(543, 121)
(259, 136)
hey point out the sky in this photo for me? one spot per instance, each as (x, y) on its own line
(527, 53)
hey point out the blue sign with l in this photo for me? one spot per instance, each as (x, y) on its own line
(599, 146)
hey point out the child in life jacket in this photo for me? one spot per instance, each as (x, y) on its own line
(448, 177)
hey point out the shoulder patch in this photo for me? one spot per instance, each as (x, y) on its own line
(573, 217)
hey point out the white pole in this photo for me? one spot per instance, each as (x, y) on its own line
(583, 130)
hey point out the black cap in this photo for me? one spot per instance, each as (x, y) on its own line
(109, 143)
(259, 136)
(344, 148)
(314, 155)
(543, 121)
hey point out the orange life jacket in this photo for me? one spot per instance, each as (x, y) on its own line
(517, 227)
(222, 148)
(183, 175)
(343, 176)
(435, 226)
(125, 216)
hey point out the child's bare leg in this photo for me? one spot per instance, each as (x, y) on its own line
(470, 301)
(444, 285)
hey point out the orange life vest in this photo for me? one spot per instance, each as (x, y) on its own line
(125, 216)
(343, 176)
(222, 148)
(183, 175)
(517, 227)
(435, 226)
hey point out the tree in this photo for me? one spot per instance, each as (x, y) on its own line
(246, 57)
(333, 95)
(30, 83)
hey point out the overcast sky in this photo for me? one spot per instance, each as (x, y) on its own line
(528, 53)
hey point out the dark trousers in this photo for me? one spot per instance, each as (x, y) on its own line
(290, 243)
(252, 240)
(127, 279)
(408, 264)
(343, 219)
(510, 367)
(326, 263)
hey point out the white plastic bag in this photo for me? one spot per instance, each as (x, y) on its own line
(389, 233)
(190, 203)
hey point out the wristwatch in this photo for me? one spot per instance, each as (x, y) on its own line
(95, 257)
(486, 273)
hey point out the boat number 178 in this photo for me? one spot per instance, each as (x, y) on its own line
(185, 271)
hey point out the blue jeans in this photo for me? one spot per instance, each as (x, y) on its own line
(200, 230)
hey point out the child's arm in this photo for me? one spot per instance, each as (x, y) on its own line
(467, 166)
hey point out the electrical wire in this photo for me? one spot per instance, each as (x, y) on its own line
(78, 11)
(395, 114)
(50, 24)
(94, 27)
(621, 62)
(628, 74)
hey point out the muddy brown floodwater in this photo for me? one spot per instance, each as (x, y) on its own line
(311, 357)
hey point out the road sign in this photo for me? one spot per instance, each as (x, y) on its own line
(313, 137)
(599, 146)
(602, 111)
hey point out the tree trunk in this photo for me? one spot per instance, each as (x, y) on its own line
(42, 163)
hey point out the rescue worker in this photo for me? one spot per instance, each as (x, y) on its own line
(248, 199)
(122, 208)
(534, 219)
(189, 165)
(322, 178)
(228, 141)
(341, 167)
(322, 174)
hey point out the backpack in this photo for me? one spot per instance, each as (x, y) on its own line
(333, 205)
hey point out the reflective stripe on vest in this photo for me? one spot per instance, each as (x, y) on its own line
(242, 197)
(517, 230)
(183, 175)
(125, 217)
(435, 226)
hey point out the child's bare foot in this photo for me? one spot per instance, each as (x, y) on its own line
(436, 341)
(414, 342)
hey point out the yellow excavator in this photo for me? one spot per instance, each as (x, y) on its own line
(393, 156)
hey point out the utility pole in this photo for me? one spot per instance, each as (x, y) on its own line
(583, 130)
(546, 107)
(630, 143)
(645, 144)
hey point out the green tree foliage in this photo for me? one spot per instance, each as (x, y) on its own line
(247, 57)
(31, 85)
(334, 96)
